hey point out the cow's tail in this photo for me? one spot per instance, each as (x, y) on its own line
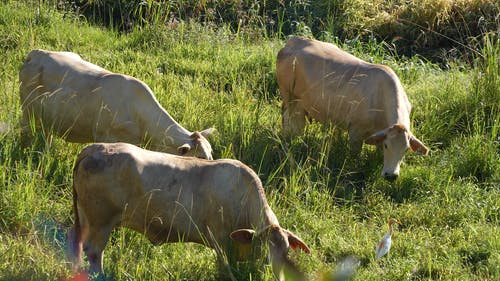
(75, 244)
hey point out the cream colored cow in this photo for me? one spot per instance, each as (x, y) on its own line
(83, 102)
(321, 81)
(169, 198)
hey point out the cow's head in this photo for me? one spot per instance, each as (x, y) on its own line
(396, 140)
(198, 145)
(280, 241)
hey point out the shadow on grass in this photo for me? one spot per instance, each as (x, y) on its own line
(475, 259)
(322, 153)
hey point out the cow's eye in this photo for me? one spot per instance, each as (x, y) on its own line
(385, 145)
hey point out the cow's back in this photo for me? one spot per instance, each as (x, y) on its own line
(54, 70)
(307, 68)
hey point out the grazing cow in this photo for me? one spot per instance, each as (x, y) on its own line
(169, 198)
(83, 102)
(321, 81)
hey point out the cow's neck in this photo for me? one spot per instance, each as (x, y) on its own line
(256, 212)
(267, 218)
(167, 131)
(398, 116)
(397, 109)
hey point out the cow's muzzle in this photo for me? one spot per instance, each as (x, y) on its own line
(390, 177)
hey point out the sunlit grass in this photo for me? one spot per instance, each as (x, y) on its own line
(448, 202)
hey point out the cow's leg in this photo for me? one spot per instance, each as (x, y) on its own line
(226, 259)
(74, 248)
(225, 265)
(355, 141)
(293, 118)
(94, 247)
(26, 133)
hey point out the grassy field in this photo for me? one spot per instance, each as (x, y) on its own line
(448, 202)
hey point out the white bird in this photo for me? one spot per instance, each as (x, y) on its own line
(385, 244)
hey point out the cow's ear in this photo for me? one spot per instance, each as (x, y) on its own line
(296, 243)
(243, 236)
(183, 149)
(377, 138)
(207, 132)
(417, 145)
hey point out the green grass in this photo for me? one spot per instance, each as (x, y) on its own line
(448, 202)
